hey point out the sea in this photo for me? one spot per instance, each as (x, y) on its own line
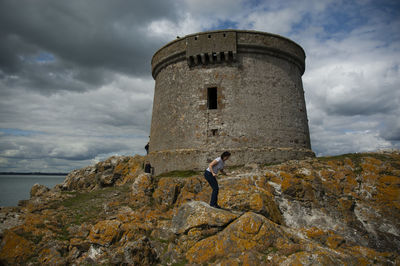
(14, 188)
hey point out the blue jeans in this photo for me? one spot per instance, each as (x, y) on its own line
(214, 185)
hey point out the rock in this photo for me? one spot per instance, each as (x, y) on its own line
(15, 249)
(116, 170)
(9, 217)
(250, 231)
(106, 177)
(198, 214)
(194, 189)
(38, 190)
(51, 256)
(249, 194)
(140, 252)
(311, 258)
(82, 179)
(167, 191)
(141, 191)
(105, 233)
(324, 211)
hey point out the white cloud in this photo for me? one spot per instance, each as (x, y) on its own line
(169, 30)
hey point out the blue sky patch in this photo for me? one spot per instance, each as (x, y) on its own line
(20, 132)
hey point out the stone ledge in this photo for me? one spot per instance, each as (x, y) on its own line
(196, 159)
(273, 44)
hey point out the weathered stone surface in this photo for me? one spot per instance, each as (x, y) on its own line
(142, 190)
(197, 214)
(15, 249)
(52, 253)
(38, 190)
(185, 133)
(344, 196)
(9, 217)
(116, 170)
(167, 191)
(326, 211)
(249, 194)
(104, 233)
(140, 252)
(250, 231)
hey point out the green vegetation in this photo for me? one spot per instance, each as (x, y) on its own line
(356, 158)
(28, 235)
(183, 174)
(180, 263)
(234, 167)
(87, 207)
(352, 156)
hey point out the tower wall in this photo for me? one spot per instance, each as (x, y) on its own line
(260, 115)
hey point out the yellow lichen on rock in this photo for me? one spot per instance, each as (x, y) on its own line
(15, 249)
(105, 232)
(325, 211)
(250, 231)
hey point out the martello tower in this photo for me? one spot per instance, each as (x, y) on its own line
(228, 90)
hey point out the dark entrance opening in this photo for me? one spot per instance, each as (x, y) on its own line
(212, 98)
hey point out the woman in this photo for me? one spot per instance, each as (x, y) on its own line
(210, 174)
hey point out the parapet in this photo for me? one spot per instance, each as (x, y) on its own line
(215, 47)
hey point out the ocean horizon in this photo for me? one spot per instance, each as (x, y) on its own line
(15, 187)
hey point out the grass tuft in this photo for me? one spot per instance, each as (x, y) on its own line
(182, 174)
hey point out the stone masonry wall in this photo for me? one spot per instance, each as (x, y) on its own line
(261, 115)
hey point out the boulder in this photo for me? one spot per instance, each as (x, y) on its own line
(141, 190)
(116, 170)
(38, 190)
(105, 232)
(249, 194)
(198, 214)
(250, 231)
(15, 249)
(167, 191)
(140, 252)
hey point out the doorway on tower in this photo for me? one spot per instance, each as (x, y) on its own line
(212, 98)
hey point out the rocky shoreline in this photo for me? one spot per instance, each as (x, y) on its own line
(325, 211)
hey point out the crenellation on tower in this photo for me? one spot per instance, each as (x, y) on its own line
(228, 90)
(211, 48)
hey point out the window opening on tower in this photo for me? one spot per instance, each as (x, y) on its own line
(212, 101)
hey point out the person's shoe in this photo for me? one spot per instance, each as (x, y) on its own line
(217, 206)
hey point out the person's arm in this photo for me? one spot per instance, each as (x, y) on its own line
(210, 166)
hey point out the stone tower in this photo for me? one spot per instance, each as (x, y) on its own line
(232, 90)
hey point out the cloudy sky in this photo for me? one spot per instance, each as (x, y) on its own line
(76, 87)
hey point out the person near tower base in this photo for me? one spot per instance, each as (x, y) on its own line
(211, 173)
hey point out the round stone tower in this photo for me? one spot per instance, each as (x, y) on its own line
(232, 90)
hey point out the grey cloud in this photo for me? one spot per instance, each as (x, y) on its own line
(113, 109)
(363, 106)
(391, 129)
(69, 149)
(87, 39)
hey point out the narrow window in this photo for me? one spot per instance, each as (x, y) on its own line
(212, 98)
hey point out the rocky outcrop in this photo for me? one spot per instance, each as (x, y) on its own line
(15, 249)
(198, 215)
(116, 170)
(38, 190)
(342, 210)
